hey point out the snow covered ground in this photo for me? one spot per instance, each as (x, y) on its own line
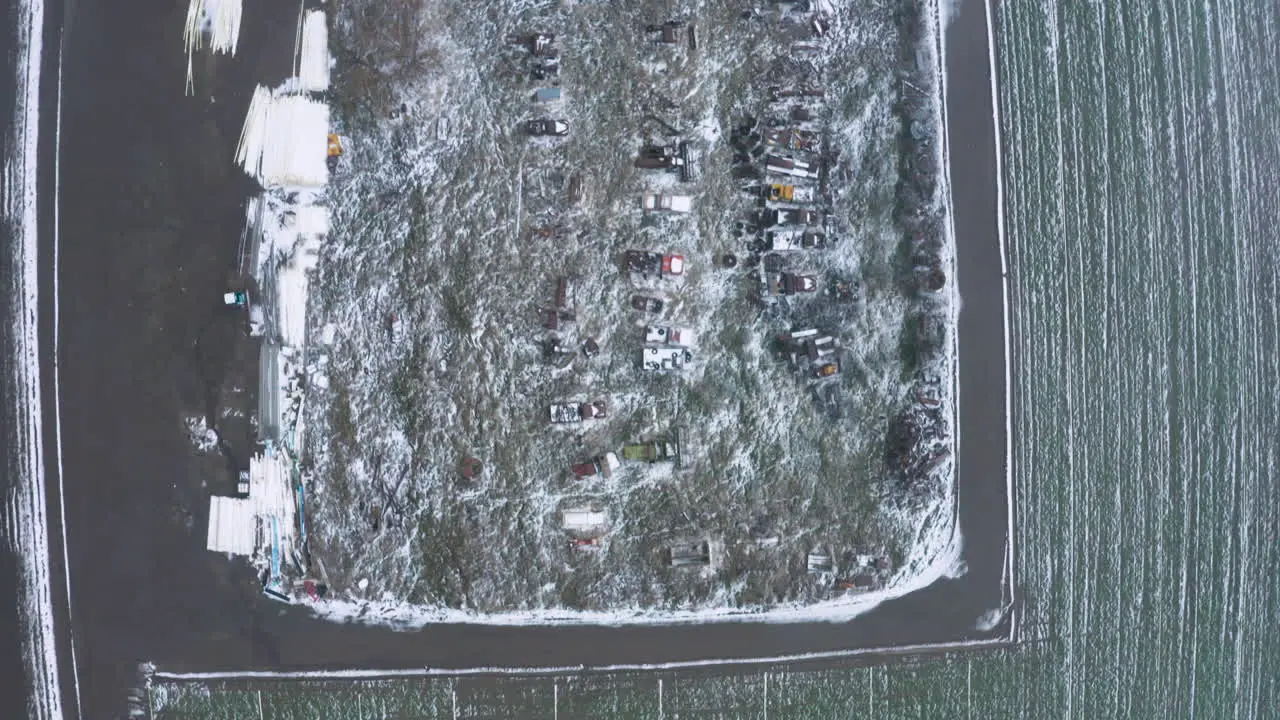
(450, 227)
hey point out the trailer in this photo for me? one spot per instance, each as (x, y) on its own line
(661, 202)
(582, 519)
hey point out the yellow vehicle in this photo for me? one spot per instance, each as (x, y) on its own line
(788, 193)
(335, 146)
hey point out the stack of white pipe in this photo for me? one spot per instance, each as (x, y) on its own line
(219, 18)
(224, 24)
(253, 137)
(285, 140)
(313, 56)
(296, 143)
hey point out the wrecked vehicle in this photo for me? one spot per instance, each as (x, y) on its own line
(664, 359)
(545, 127)
(568, 412)
(806, 240)
(653, 264)
(785, 283)
(652, 451)
(668, 335)
(790, 216)
(601, 465)
(673, 158)
(647, 304)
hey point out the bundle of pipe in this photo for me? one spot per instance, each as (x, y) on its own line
(294, 152)
(219, 18)
(313, 56)
(253, 137)
(224, 24)
(191, 34)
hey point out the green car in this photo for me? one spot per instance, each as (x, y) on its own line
(660, 450)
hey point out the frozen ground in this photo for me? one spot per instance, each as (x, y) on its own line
(425, 315)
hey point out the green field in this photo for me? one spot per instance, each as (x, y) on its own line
(966, 684)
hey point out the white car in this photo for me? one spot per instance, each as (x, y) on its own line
(673, 203)
(668, 335)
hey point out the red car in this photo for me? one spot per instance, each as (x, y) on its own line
(603, 465)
